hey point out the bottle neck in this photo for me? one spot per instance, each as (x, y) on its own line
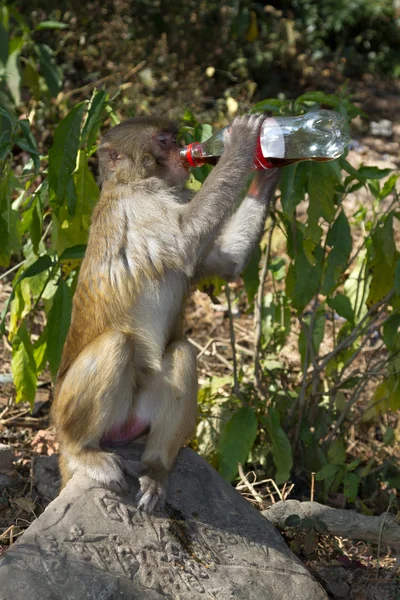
(191, 155)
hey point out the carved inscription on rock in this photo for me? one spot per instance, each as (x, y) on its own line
(183, 555)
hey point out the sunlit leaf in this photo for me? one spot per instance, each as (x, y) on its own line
(63, 153)
(23, 367)
(13, 76)
(40, 352)
(94, 118)
(51, 25)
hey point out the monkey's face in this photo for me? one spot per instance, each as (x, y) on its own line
(141, 148)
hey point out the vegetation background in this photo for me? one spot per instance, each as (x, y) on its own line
(298, 360)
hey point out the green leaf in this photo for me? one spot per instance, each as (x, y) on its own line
(320, 98)
(383, 260)
(270, 104)
(23, 367)
(64, 151)
(49, 69)
(85, 184)
(13, 76)
(397, 278)
(373, 172)
(40, 352)
(342, 305)
(3, 45)
(391, 334)
(58, 325)
(75, 252)
(206, 132)
(251, 276)
(340, 241)
(94, 118)
(51, 25)
(351, 483)
(389, 186)
(322, 192)
(237, 439)
(337, 453)
(304, 278)
(327, 472)
(31, 145)
(293, 186)
(281, 448)
(317, 335)
(43, 263)
(5, 145)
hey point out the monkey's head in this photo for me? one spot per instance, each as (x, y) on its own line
(140, 148)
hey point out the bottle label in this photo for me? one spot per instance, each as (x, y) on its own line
(272, 139)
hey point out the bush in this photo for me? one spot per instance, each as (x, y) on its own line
(333, 289)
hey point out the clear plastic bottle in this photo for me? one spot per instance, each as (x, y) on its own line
(319, 135)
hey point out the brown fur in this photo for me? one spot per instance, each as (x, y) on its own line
(126, 367)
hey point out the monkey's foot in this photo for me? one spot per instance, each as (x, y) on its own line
(104, 467)
(151, 495)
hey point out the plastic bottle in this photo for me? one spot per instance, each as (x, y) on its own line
(319, 135)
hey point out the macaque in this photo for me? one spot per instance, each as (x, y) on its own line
(127, 369)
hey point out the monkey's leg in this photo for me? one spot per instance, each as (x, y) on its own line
(96, 393)
(169, 401)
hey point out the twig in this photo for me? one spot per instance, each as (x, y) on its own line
(312, 486)
(354, 334)
(203, 350)
(64, 96)
(21, 414)
(249, 486)
(258, 314)
(9, 530)
(14, 268)
(236, 386)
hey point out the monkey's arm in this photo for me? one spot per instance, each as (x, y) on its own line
(202, 218)
(230, 252)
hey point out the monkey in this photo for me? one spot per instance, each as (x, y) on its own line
(127, 370)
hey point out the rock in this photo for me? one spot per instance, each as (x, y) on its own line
(336, 581)
(6, 458)
(208, 543)
(382, 128)
(46, 476)
(8, 475)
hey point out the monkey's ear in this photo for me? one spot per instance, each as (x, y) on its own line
(109, 157)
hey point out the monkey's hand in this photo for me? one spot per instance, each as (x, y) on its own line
(263, 184)
(243, 137)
